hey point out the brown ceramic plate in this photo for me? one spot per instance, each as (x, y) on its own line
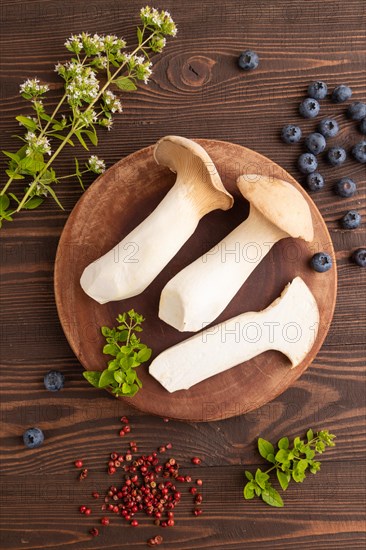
(120, 199)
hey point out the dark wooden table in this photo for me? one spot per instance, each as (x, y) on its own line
(196, 91)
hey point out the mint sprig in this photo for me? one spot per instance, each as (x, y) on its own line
(291, 462)
(128, 353)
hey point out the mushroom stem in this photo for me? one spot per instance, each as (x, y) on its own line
(200, 292)
(128, 268)
(289, 325)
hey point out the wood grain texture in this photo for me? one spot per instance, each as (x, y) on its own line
(196, 91)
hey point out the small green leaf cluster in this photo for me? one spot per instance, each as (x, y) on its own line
(290, 461)
(127, 353)
(97, 63)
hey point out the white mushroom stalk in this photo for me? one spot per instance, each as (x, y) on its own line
(198, 189)
(289, 325)
(195, 297)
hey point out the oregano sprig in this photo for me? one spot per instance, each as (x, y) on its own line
(290, 462)
(98, 62)
(128, 353)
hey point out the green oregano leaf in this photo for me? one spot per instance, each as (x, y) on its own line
(126, 84)
(288, 463)
(283, 443)
(106, 378)
(283, 479)
(127, 354)
(92, 377)
(248, 491)
(272, 497)
(265, 447)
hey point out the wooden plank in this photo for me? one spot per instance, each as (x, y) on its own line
(196, 91)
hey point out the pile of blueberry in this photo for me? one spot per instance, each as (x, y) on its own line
(316, 143)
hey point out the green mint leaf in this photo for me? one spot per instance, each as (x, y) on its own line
(297, 443)
(106, 378)
(110, 349)
(249, 475)
(270, 457)
(92, 377)
(283, 443)
(138, 382)
(272, 497)
(124, 83)
(265, 447)
(310, 435)
(126, 388)
(144, 355)
(248, 491)
(283, 479)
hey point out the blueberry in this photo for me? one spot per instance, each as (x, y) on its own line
(248, 60)
(291, 133)
(351, 220)
(359, 151)
(357, 110)
(317, 90)
(315, 143)
(309, 108)
(315, 181)
(362, 126)
(307, 163)
(54, 380)
(345, 187)
(359, 257)
(341, 93)
(336, 156)
(328, 127)
(33, 438)
(321, 262)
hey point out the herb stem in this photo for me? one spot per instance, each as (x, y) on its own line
(75, 128)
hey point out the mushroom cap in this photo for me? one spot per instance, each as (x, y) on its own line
(195, 169)
(280, 202)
